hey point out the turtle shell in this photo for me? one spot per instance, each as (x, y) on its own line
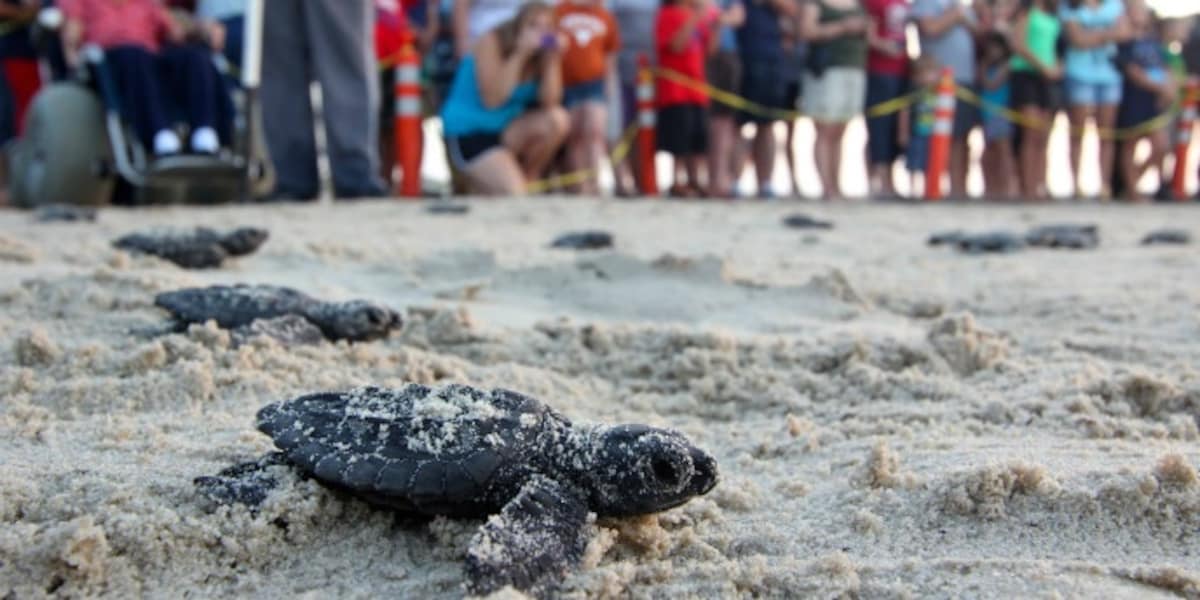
(456, 450)
(233, 306)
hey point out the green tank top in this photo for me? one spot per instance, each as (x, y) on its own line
(1042, 40)
(845, 51)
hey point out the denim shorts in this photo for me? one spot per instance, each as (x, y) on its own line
(588, 91)
(1093, 94)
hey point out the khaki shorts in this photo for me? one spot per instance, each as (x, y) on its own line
(837, 96)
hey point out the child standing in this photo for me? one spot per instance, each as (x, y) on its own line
(588, 64)
(682, 35)
(1035, 68)
(999, 164)
(1149, 90)
(916, 122)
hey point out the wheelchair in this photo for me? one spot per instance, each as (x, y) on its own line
(78, 149)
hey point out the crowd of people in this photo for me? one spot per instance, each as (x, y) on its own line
(527, 88)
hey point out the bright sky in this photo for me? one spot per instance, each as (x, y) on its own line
(1171, 8)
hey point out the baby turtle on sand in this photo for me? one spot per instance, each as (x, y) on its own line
(197, 248)
(1073, 236)
(584, 240)
(444, 207)
(979, 243)
(280, 312)
(64, 213)
(459, 451)
(1167, 236)
(800, 221)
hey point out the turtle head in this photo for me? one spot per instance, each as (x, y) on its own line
(637, 469)
(356, 320)
(243, 240)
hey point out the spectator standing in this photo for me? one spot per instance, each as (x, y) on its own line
(835, 81)
(1093, 84)
(683, 32)
(329, 40)
(589, 62)
(149, 73)
(887, 79)
(795, 52)
(1035, 68)
(18, 58)
(503, 119)
(998, 162)
(1148, 92)
(636, 21)
(724, 73)
(760, 45)
(947, 34)
(1191, 54)
(916, 122)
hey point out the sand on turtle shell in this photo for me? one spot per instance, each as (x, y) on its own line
(890, 420)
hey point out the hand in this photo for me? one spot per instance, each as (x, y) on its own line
(1121, 32)
(1168, 94)
(530, 40)
(214, 31)
(1054, 73)
(854, 25)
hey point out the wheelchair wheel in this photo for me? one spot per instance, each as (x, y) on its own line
(64, 155)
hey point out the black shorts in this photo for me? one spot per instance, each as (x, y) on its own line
(464, 149)
(1031, 89)
(763, 83)
(682, 129)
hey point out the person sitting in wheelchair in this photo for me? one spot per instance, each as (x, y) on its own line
(155, 63)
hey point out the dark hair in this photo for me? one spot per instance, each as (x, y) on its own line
(995, 39)
(1027, 5)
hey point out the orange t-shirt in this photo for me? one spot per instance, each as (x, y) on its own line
(592, 35)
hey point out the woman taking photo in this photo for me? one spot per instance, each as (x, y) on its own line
(503, 118)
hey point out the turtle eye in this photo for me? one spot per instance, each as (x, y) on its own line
(665, 472)
(376, 316)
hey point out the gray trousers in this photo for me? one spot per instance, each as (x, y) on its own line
(329, 41)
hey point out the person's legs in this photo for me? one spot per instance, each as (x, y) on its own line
(1106, 120)
(193, 83)
(789, 154)
(586, 149)
(135, 74)
(882, 146)
(722, 130)
(1081, 102)
(764, 156)
(836, 132)
(288, 115)
(1031, 177)
(966, 119)
(339, 34)
(535, 137)
(495, 173)
(823, 157)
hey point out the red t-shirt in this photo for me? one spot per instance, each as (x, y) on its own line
(689, 63)
(109, 24)
(891, 19)
(391, 29)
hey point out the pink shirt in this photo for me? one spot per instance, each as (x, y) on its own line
(111, 23)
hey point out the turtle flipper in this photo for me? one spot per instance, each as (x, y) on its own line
(536, 537)
(288, 330)
(246, 483)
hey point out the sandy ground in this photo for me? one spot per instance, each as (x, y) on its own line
(891, 420)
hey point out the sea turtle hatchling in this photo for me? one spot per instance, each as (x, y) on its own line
(195, 248)
(459, 451)
(1067, 235)
(283, 313)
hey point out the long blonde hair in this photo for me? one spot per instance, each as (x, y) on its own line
(508, 31)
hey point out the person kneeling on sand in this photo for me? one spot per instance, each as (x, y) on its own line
(493, 135)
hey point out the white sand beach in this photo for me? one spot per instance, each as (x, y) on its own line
(891, 420)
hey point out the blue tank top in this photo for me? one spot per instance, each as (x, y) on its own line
(464, 112)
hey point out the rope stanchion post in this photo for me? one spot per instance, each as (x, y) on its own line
(646, 139)
(1183, 138)
(939, 141)
(408, 142)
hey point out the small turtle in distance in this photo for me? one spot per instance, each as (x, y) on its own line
(283, 313)
(464, 452)
(64, 213)
(196, 248)
(443, 207)
(801, 221)
(1178, 237)
(979, 243)
(584, 240)
(1072, 236)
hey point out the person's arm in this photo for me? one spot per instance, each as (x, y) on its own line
(936, 26)
(1083, 38)
(735, 16)
(1020, 47)
(783, 8)
(460, 18)
(433, 25)
(503, 74)
(813, 30)
(904, 127)
(879, 43)
(550, 85)
(683, 36)
(995, 80)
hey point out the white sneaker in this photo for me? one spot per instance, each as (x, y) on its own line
(205, 141)
(167, 142)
